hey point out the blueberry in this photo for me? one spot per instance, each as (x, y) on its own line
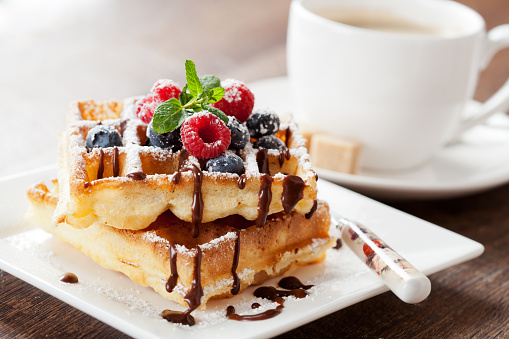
(270, 142)
(228, 163)
(263, 122)
(103, 136)
(238, 133)
(169, 140)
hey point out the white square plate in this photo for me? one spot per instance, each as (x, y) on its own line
(342, 280)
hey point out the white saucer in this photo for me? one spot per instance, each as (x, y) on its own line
(477, 162)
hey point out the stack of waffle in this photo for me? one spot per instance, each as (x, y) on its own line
(163, 220)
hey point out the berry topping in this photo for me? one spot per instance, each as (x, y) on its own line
(263, 122)
(165, 89)
(270, 142)
(169, 140)
(239, 134)
(228, 163)
(161, 91)
(238, 101)
(103, 136)
(204, 135)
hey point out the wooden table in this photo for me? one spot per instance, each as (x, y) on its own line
(243, 40)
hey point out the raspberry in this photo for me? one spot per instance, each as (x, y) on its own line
(238, 101)
(204, 135)
(146, 107)
(160, 92)
(165, 89)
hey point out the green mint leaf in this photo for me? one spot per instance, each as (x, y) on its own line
(210, 81)
(168, 116)
(185, 96)
(216, 94)
(218, 113)
(193, 82)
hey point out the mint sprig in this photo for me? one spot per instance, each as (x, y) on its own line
(196, 96)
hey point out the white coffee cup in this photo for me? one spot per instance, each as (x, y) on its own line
(401, 95)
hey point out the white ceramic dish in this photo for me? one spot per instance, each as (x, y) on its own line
(340, 281)
(476, 162)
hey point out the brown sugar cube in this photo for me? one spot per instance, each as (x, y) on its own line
(334, 153)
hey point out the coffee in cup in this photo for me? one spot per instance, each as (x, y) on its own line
(396, 75)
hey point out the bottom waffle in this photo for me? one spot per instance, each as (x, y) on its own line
(223, 260)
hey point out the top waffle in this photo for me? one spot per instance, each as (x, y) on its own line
(129, 186)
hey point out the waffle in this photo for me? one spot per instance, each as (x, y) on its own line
(128, 187)
(285, 241)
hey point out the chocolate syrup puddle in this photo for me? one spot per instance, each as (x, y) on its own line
(271, 293)
(241, 183)
(100, 170)
(69, 278)
(265, 196)
(172, 280)
(293, 192)
(292, 283)
(236, 255)
(197, 207)
(262, 159)
(309, 215)
(297, 289)
(136, 175)
(116, 166)
(230, 313)
(193, 297)
(338, 245)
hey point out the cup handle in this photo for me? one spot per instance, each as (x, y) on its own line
(497, 39)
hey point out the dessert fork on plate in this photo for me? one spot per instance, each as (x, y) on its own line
(402, 278)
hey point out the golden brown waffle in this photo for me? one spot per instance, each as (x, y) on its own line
(285, 241)
(128, 187)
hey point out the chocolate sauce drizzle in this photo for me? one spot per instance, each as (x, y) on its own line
(241, 183)
(116, 166)
(310, 214)
(255, 305)
(197, 207)
(293, 192)
(87, 184)
(136, 175)
(262, 158)
(284, 155)
(100, 169)
(183, 155)
(235, 263)
(172, 280)
(69, 278)
(193, 297)
(265, 196)
(176, 177)
(288, 134)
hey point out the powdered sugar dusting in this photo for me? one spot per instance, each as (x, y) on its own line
(233, 93)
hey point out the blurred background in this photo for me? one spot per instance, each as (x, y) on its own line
(55, 51)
